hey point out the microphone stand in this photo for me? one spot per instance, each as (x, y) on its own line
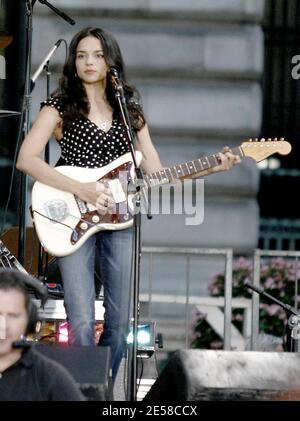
(140, 184)
(26, 126)
(42, 272)
(25, 114)
(293, 325)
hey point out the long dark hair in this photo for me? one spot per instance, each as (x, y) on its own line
(72, 92)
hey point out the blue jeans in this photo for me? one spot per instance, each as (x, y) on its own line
(77, 270)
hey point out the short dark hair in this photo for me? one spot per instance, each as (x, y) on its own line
(12, 279)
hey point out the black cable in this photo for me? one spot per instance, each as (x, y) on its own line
(66, 47)
(141, 375)
(125, 380)
(13, 171)
(156, 364)
(58, 222)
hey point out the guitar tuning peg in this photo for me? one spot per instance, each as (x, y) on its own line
(275, 139)
(282, 138)
(250, 140)
(262, 139)
(256, 139)
(269, 139)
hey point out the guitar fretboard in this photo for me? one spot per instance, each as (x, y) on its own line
(186, 169)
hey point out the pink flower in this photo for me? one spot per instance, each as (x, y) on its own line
(269, 283)
(238, 317)
(278, 263)
(243, 264)
(264, 269)
(272, 309)
(196, 316)
(282, 314)
(292, 275)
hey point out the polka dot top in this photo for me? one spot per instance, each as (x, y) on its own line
(84, 144)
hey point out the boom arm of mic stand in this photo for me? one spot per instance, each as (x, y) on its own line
(58, 12)
(262, 292)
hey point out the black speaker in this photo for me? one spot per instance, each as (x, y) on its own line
(90, 367)
(198, 375)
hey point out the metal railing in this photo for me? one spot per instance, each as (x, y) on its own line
(188, 252)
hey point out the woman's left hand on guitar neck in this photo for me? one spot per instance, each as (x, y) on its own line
(227, 160)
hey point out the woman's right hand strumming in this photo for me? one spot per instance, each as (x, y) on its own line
(97, 195)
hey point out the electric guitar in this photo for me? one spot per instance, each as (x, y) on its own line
(32, 285)
(8, 260)
(64, 222)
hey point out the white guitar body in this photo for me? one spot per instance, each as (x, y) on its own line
(63, 222)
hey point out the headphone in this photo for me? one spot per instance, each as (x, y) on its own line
(33, 318)
(12, 277)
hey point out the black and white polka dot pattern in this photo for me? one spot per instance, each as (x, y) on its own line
(86, 145)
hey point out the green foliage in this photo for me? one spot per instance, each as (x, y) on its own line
(277, 277)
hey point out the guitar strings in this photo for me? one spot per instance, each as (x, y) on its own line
(4, 256)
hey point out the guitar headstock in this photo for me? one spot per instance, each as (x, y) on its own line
(260, 149)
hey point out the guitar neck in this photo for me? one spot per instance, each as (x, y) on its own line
(186, 169)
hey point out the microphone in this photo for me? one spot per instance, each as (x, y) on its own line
(255, 288)
(41, 67)
(113, 72)
(40, 288)
(114, 77)
(22, 343)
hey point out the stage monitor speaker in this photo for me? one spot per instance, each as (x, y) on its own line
(90, 367)
(198, 375)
